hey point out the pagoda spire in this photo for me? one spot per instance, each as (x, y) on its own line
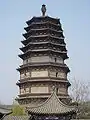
(43, 9)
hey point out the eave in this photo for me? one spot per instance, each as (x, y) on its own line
(41, 17)
(49, 30)
(43, 64)
(23, 49)
(42, 79)
(42, 23)
(25, 42)
(63, 53)
(38, 95)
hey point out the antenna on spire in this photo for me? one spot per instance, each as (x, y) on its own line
(43, 9)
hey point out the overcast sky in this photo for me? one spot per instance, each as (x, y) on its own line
(75, 19)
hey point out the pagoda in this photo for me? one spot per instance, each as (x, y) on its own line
(44, 53)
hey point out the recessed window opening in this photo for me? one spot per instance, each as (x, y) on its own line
(26, 60)
(56, 74)
(56, 90)
(55, 59)
(25, 73)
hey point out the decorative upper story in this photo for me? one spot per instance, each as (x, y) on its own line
(43, 35)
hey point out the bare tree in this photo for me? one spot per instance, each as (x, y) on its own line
(80, 93)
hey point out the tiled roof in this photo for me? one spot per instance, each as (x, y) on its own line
(25, 118)
(5, 109)
(16, 118)
(51, 106)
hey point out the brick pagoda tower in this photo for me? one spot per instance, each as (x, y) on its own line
(43, 68)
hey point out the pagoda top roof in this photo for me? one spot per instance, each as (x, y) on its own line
(52, 106)
(38, 19)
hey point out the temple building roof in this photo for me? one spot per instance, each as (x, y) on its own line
(16, 117)
(4, 109)
(51, 106)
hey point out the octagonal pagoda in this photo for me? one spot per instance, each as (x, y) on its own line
(44, 53)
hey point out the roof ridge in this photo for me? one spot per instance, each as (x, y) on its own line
(4, 107)
(38, 17)
(40, 104)
(61, 101)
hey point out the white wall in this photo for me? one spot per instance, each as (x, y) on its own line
(43, 59)
(40, 59)
(39, 74)
(39, 89)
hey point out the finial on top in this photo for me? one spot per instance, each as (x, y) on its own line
(43, 9)
(55, 89)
